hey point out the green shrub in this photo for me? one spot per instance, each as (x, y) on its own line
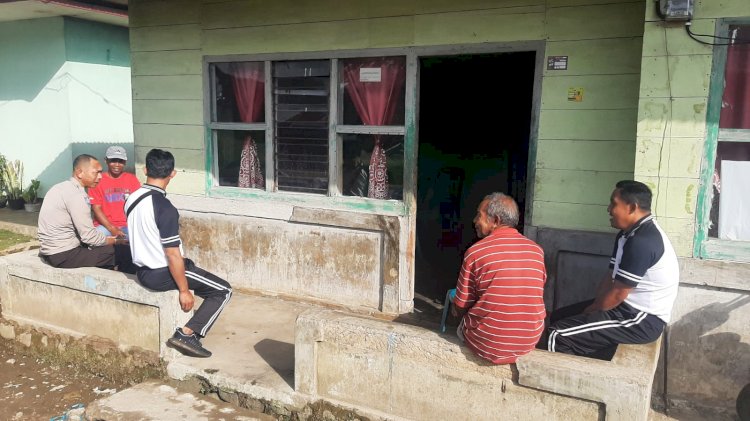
(31, 193)
(12, 176)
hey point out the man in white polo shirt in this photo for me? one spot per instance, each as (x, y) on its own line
(156, 246)
(633, 304)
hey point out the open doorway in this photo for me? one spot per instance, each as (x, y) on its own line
(474, 133)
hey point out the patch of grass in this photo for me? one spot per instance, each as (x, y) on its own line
(9, 239)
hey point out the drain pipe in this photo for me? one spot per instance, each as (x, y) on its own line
(88, 7)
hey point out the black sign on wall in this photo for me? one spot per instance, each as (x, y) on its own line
(557, 63)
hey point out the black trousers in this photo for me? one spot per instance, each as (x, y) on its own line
(215, 292)
(105, 257)
(597, 334)
(80, 257)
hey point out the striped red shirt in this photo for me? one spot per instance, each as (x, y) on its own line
(502, 284)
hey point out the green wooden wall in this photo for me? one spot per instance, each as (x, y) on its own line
(583, 147)
(673, 101)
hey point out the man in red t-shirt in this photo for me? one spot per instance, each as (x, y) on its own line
(500, 286)
(108, 197)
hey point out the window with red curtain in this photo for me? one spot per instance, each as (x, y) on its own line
(374, 90)
(276, 127)
(735, 102)
(730, 206)
(238, 91)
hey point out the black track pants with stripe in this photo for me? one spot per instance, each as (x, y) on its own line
(215, 292)
(597, 334)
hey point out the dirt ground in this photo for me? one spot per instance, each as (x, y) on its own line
(31, 389)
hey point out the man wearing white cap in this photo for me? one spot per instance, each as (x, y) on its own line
(108, 197)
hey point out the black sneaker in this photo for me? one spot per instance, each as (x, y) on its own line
(188, 345)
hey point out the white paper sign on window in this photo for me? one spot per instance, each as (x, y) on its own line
(370, 74)
(734, 202)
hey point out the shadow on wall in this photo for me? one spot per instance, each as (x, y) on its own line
(62, 166)
(33, 51)
(722, 356)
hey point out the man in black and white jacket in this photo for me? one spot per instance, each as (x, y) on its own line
(157, 251)
(634, 302)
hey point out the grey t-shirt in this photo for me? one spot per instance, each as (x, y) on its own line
(65, 219)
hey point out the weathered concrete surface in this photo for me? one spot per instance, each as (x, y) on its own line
(318, 262)
(708, 358)
(253, 350)
(413, 373)
(623, 384)
(155, 401)
(88, 302)
(253, 363)
(128, 324)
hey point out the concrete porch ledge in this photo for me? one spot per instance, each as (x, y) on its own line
(623, 385)
(88, 302)
(413, 373)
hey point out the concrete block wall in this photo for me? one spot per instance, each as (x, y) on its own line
(417, 374)
(344, 258)
(88, 302)
(413, 374)
(707, 357)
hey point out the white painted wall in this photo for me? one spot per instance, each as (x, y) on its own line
(38, 131)
(100, 105)
(83, 108)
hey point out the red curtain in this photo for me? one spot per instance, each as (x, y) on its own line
(376, 102)
(735, 105)
(249, 91)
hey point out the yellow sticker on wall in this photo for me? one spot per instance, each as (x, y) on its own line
(575, 94)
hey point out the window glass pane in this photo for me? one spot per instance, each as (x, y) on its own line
(735, 104)
(301, 92)
(238, 92)
(240, 158)
(373, 91)
(378, 174)
(730, 206)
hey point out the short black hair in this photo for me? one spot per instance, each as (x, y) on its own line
(159, 163)
(82, 159)
(634, 192)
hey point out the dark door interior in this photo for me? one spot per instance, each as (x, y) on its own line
(474, 127)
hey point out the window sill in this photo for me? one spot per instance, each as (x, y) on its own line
(342, 203)
(738, 251)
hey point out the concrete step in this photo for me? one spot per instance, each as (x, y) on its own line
(253, 350)
(156, 401)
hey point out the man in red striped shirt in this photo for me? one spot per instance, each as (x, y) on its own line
(500, 286)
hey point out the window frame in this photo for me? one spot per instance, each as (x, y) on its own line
(704, 246)
(409, 130)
